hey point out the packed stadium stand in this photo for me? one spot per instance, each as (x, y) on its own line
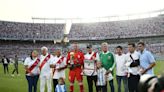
(23, 49)
(30, 31)
(118, 29)
(18, 38)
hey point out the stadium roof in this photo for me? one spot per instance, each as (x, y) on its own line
(25, 10)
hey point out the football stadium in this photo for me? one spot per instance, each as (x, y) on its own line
(81, 46)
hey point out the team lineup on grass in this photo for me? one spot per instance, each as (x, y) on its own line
(97, 67)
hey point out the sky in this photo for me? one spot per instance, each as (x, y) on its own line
(24, 10)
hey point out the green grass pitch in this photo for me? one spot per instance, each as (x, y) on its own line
(19, 83)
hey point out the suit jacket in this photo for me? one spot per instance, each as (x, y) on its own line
(8, 61)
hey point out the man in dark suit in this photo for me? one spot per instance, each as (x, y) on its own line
(5, 62)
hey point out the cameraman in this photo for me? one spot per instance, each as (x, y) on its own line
(150, 83)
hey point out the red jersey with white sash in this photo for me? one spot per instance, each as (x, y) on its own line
(33, 65)
(58, 62)
(45, 69)
(90, 63)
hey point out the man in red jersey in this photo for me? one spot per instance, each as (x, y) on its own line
(75, 60)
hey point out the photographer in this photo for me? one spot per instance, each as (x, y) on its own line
(150, 83)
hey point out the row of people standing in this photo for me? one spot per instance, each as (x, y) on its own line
(98, 67)
(44, 67)
(130, 66)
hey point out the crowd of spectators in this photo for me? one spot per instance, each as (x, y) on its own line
(27, 31)
(118, 29)
(83, 31)
(23, 49)
(80, 31)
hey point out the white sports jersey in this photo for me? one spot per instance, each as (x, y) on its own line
(57, 74)
(46, 70)
(90, 64)
(101, 77)
(135, 56)
(29, 62)
(121, 69)
(60, 88)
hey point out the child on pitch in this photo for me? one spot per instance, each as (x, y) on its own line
(102, 78)
(61, 87)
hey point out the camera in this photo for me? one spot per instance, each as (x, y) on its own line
(151, 83)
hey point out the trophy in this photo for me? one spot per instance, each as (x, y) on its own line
(72, 57)
(71, 61)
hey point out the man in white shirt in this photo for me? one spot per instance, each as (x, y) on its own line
(45, 70)
(59, 65)
(133, 63)
(90, 59)
(121, 70)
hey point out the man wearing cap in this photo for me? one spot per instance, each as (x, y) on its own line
(108, 62)
(45, 70)
(90, 59)
(75, 61)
